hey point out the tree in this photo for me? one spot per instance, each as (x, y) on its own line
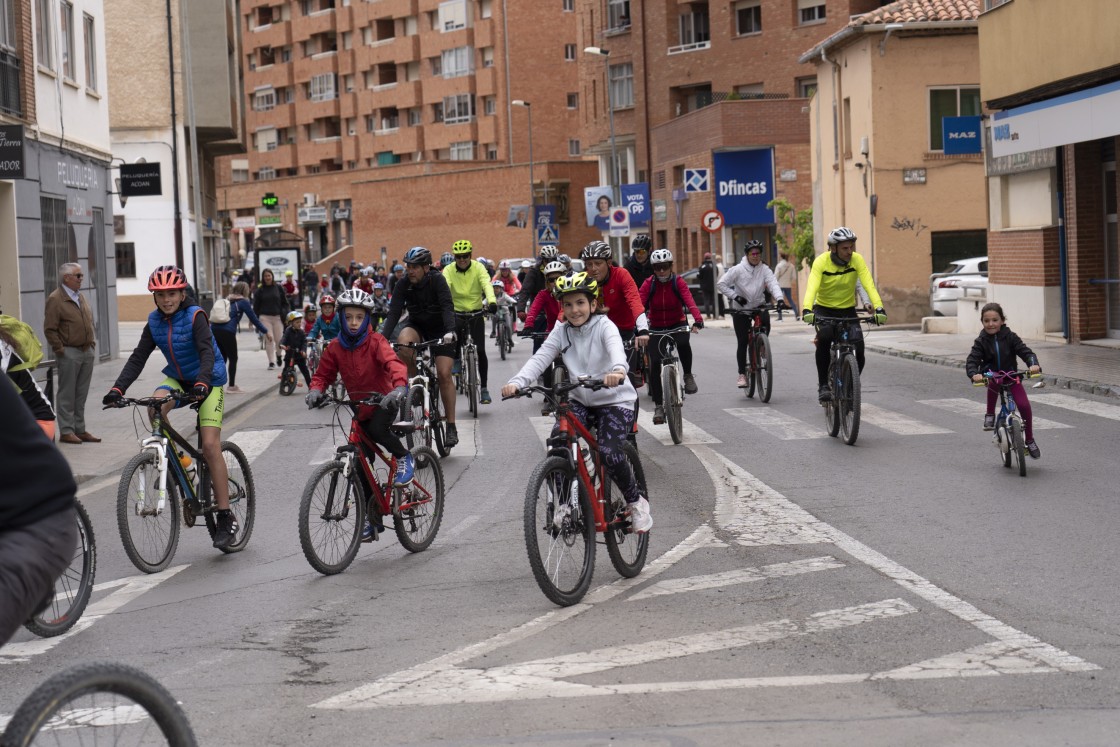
(795, 231)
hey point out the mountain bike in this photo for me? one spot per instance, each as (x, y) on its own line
(467, 380)
(672, 378)
(504, 338)
(99, 703)
(1008, 436)
(359, 482)
(569, 499)
(841, 411)
(760, 363)
(425, 404)
(149, 505)
(73, 588)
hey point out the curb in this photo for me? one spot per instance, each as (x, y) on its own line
(1059, 382)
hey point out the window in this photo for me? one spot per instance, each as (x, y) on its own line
(457, 62)
(266, 173)
(485, 8)
(126, 259)
(266, 139)
(622, 85)
(810, 11)
(750, 91)
(573, 147)
(285, 54)
(748, 17)
(567, 5)
(239, 170)
(437, 112)
(570, 52)
(806, 87)
(490, 105)
(414, 116)
(847, 127)
(452, 15)
(437, 66)
(950, 102)
(66, 39)
(264, 100)
(44, 40)
(53, 224)
(487, 56)
(323, 87)
(618, 14)
(694, 27)
(989, 4)
(462, 151)
(573, 100)
(89, 33)
(459, 108)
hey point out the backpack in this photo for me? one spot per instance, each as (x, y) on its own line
(674, 284)
(24, 341)
(220, 313)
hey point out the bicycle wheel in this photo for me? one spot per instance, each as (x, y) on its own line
(472, 381)
(149, 534)
(103, 703)
(764, 370)
(242, 496)
(287, 381)
(422, 436)
(671, 401)
(418, 508)
(331, 516)
(73, 588)
(438, 422)
(1004, 444)
(752, 366)
(626, 550)
(831, 408)
(502, 341)
(1018, 446)
(848, 399)
(559, 532)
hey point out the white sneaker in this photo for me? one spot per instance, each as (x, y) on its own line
(742, 381)
(640, 519)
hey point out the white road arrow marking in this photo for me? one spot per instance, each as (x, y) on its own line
(738, 576)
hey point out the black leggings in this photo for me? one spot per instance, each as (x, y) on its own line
(742, 323)
(377, 427)
(684, 352)
(227, 346)
(612, 425)
(825, 335)
(477, 330)
(300, 360)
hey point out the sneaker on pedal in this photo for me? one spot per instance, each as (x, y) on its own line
(989, 422)
(741, 382)
(824, 394)
(225, 529)
(485, 398)
(1033, 450)
(690, 384)
(405, 468)
(451, 437)
(640, 519)
(658, 414)
(368, 533)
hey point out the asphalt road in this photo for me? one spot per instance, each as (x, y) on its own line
(905, 590)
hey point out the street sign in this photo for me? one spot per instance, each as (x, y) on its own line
(13, 154)
(712, 221)
(548, 233)
(140, 179)
(620, 222)
(697, 180)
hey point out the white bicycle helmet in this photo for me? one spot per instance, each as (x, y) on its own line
(841, 234)
(554, 266)
(526, 264)
(660, 257)
(548, 252)
(505, 265)
(354, 297)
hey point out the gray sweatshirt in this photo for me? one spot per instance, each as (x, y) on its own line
(749, 281)
(595, 349)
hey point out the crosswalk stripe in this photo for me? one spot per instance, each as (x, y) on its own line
(896, 422)
(254, 443)
(324, 453)
(777, 423)
(738, 576)
(1068, 402)
(973, 408)
(691, 434)
(469, 445)
(542, 424)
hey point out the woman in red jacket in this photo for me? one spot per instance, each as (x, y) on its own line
(665, 296)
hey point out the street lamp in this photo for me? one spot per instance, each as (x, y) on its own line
(615, 176)
(532, 185)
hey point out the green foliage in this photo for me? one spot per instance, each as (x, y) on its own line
(733, 96)
(795, 231)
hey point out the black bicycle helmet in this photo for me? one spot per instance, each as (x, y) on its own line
(418, 255)
(596, 250)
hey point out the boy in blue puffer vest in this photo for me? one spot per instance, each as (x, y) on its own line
(182, 333)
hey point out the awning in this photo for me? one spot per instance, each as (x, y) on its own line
(1091, 114)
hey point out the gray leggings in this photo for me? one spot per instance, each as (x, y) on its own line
(31, 558)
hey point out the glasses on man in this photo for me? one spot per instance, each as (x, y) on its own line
(77, 275)
(662, 268)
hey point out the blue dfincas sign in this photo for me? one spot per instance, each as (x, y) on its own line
(744, 185)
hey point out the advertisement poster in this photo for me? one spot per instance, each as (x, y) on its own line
(518, 216)
(636, 199)
(597, 203)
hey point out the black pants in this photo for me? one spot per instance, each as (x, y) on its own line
(300, 360)
(826, 333)
(684, 352)
(477, 329)
(377, 427)
(742, 323)
(227, 346)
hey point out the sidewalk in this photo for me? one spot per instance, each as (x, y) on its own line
(116, 427)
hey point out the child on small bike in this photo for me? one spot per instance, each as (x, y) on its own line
(310, 316)
(995, 350)
(591, 345)
(506, 301)
(328, 324)
(182, 333)
(293, 343)
(367, 363)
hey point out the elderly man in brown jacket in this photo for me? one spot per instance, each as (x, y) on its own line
(69, 330)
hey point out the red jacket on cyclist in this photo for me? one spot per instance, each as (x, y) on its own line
(371, 366)
(664, 306)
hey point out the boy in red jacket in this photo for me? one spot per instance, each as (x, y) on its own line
(367, 364)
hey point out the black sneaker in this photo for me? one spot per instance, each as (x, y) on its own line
(225, 530)
(990, 422)
(451, 437)
(658, 415)
(824, 394)
(1033, 450)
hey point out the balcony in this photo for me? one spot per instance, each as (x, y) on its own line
(306, 67)
(398, 49)
(320, 22)
(403, 140)
(282, 156)
(276, 35)
(693, 47)
(320, 149)
(277, 76)
(308, 111)
(282, 115)
(436, 89)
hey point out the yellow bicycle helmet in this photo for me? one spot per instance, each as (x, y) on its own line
(580, 282)
(462, 246)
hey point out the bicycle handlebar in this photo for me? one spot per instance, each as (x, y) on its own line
(550, 391)
(859, 318)
(417, 345)
(152, 401)
(666, 332)
(1006, 378)
(766, 307)
(372, 400)
(467, 315)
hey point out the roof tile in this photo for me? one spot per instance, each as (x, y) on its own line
(918, 11)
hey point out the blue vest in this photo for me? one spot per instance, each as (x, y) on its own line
(175, 337)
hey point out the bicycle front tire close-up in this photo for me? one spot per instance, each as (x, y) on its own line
(1018, 446)
(561, 550)
(848, 399)
(764, 370)
(150, 536)
(73, 588)
(671, 399)
(331, 515)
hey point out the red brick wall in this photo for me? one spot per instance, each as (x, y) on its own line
(1027, 257)
(1085, 240)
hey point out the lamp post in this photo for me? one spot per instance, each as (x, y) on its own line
(532, 185)
(615, 175)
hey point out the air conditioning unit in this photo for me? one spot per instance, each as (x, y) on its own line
(310, 199)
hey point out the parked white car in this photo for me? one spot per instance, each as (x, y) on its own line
(960, 278)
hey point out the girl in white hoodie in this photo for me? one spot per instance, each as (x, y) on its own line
(591, 345)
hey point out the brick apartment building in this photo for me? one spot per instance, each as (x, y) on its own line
(389, 124)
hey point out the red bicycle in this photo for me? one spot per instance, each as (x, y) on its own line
(569, 499)
(760, 364)
(359, 482)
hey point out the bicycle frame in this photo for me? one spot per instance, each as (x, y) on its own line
(160, 443)
(667, 347)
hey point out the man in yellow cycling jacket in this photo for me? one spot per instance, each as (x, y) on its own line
(470, 283)
(831, 292)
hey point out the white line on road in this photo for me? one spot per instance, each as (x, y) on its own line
(98, 718)
(896, 422)
(254, 443)
(738, 576)
(691, 434)
(324, 453)
(542, 424)
(1069, 402)
(778, 424)
(973, 408)
(469, 445)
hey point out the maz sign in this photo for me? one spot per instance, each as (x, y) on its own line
(960, 135)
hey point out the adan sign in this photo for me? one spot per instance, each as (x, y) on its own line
(744, 185)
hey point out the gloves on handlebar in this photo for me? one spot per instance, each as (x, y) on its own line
(200, 391)
(808, 317)
(740, 300)
(112, 398)
(698, 325)
(314, 398)
(448, 339)
(492, 308)
(880, 315)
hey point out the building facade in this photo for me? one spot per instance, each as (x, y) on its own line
(55, 190)
(191, 86)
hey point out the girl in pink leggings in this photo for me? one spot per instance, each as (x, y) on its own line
(995, 350)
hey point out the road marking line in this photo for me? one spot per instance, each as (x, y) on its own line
(469, 445)
(896, 422)
(101, 717)
(691, 434)
(739, 576)
(463, 525)
(778, 424)
(324, 453)
(972, 408)
(543, 424)
(1069, 402)
(254, 443)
